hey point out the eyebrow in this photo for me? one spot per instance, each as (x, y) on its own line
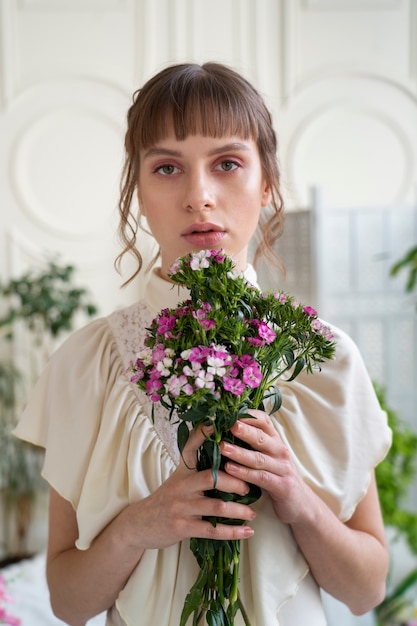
(235, 145)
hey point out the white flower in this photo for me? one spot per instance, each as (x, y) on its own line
(200, 260)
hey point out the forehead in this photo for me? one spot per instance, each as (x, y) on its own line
(207, 119)
(200, 145)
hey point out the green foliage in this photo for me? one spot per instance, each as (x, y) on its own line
(395, 475)
(396, 603)
(408, 261)
(46, 303)
(47, 296)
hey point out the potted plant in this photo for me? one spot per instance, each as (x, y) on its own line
(394, 476)
(37, 308)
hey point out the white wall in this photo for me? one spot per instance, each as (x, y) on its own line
(339, 75)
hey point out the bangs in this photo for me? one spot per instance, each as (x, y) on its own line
(197, 102)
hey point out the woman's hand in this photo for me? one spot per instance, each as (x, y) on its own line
(175, 510)
(85, 582)
(268, 465)
(347, 559)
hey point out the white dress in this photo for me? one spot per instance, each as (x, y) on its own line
(103, 452)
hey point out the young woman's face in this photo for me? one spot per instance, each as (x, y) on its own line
(202, 192)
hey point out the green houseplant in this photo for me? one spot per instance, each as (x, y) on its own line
(394, 476)
(36, 309)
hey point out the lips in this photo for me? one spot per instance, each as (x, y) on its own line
(203, 234)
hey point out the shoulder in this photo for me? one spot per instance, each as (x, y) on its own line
(105, 334)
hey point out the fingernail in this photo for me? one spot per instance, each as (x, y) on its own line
(248, 531)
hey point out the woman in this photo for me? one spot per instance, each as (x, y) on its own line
(201, 157)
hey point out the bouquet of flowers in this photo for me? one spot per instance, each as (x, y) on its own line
(208, 361)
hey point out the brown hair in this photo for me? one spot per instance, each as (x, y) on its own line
(210, 99)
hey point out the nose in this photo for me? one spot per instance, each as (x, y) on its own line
(198, 194)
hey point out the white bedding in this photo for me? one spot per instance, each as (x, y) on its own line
(26, 583)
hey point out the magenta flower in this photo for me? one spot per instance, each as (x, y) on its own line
(234, 385)
(166, 324)
(266, 333)
(252, 376)
(153, 385)
(256, 342)
(308, 310)
(208, 324)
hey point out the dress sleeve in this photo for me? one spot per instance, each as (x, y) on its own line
(332, 423)
(64, 411)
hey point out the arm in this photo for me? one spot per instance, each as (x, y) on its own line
(83, 583)
(349, 560)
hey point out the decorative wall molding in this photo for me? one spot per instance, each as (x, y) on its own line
(58, 174)
(71, 5)
(312, 131)
(413, 44)
(350, 5)
(335, 133)
(7, 53)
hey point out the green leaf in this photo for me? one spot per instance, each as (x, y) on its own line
(299, 366)
(183, 435)
(276, 396)
(194, 414)
(216, 463)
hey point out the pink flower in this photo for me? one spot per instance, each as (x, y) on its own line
(256, 341)
(177, 384)
(208, 324)
(204, 380)
(153, 385)
(158, 353)
(138, 375)
(217, 256)
(321, 329)
(200, 260)
(265, 332)
(244, 360)
(175, 267)
(308, 310)
(252, 376)
(281, 297)
(234, 385)
(199, 353)
(8, 619)
(216, 366)
(166, 324)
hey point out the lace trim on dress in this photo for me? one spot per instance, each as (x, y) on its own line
(129, 328)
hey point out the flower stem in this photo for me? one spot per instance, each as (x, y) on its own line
(243, 611)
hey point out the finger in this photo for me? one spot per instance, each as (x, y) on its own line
(257, 434)
(225, 483)
(259, 419)
(225, 532)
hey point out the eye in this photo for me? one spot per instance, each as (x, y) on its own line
(228, 165)
(167, 169)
